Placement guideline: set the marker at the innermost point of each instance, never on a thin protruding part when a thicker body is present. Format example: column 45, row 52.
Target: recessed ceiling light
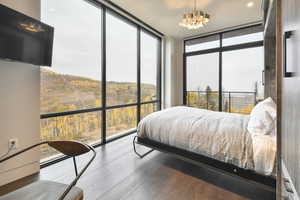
column 250, row 4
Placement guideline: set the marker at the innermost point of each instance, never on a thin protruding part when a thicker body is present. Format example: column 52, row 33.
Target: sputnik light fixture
column 195, row 19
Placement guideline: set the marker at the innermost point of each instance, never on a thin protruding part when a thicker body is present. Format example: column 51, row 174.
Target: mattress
column 218, row 135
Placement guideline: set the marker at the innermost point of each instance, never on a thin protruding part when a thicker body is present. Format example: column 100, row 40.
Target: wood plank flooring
column 117, row 173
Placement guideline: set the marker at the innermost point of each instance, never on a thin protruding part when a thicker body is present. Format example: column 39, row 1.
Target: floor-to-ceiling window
column 121, row 74
column 74, row 80
column 105, row 74
column 224, row 71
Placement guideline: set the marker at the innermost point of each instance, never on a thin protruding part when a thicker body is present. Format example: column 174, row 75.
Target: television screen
column 24, row 39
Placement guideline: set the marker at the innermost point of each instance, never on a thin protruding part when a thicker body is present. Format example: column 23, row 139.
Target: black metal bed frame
column 205, row 161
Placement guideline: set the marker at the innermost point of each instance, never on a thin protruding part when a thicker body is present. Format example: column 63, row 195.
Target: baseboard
column 19, row 172
column 286, row 177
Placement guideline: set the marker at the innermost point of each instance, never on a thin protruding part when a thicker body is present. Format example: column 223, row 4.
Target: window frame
column 219, row 50
column 141, row 26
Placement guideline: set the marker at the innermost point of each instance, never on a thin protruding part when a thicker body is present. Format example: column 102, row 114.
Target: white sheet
column 219, row 135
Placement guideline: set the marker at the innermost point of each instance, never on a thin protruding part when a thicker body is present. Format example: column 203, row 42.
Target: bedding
column 263, row 118
column 218, row 135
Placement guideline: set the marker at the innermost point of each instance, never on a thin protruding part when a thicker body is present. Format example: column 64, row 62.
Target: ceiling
column 164, row 15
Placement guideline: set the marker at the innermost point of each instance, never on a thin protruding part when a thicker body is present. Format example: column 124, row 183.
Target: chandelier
column 195, row 19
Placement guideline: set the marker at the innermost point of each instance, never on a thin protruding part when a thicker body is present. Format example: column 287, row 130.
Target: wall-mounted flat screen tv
column 24, row 39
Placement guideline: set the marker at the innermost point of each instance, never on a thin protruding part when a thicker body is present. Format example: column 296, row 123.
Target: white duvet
column 219, row 135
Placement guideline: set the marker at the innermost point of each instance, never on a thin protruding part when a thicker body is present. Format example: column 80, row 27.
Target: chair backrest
column 69, row 148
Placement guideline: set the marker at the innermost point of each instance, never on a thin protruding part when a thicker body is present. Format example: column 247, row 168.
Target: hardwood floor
column 117, row 173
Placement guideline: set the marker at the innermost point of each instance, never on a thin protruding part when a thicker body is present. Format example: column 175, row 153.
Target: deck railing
column 232, row 101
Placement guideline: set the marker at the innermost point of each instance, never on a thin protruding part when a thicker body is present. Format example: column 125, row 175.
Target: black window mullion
column 226, row 48
column 150, row 102
column 184, row 75
column 158, row 75
column 72, row 112
column 103, row 70
column 204, row 51
column 138, row 74
column 220, row 73
column 243, row 46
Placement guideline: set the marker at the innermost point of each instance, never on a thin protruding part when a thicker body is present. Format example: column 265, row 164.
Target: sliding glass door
column 105, row 75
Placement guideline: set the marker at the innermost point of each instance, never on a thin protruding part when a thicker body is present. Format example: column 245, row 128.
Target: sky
column 241, row 69
column 77, row 42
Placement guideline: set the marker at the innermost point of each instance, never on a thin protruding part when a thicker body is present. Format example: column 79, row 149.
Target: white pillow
column 263, row 118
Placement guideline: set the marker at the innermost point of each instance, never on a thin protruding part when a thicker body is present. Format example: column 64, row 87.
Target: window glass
column 253, row 37
column 121, row 61
column 84, row 127
column 147, row 109
column 245, row 35
column 120, row 120
column 74, row 80
column 242, row 79
column 202, row 43
column 203, row 81
column 149, row 62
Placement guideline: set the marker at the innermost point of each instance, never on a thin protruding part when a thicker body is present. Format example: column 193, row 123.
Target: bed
column 216, row 139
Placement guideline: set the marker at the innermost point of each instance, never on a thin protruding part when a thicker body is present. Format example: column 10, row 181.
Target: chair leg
column 138, row 154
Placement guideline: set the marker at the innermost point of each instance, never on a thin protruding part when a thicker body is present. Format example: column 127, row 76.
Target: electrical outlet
column 13, row 144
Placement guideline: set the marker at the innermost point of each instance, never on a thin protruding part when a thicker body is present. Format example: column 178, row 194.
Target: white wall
column 20, row 106
column 173, row 72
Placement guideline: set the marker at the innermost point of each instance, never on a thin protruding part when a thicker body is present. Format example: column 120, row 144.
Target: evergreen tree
column 209, row 98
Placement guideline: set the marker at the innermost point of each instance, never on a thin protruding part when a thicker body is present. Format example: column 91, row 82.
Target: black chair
column 49, row 190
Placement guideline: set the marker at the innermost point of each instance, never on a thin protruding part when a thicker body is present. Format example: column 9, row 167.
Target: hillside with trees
column 62, row 92
column 233, row 102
